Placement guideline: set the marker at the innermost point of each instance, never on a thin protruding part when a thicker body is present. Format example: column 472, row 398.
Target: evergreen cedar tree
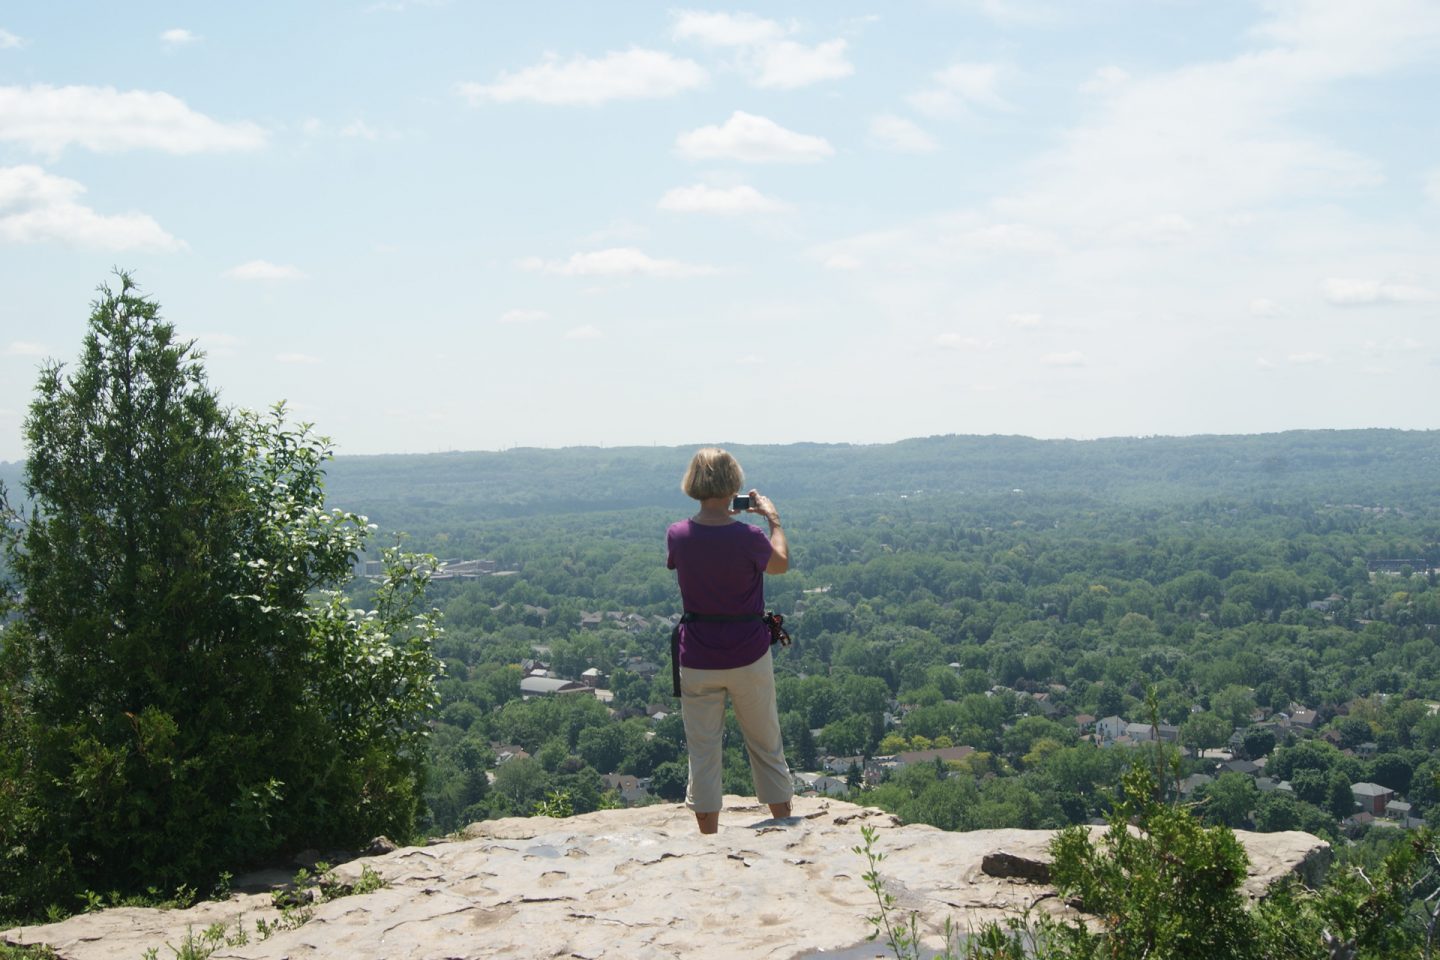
column 184, row 688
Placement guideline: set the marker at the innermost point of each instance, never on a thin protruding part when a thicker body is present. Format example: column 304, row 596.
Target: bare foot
column 708, row 822
column 780, row 811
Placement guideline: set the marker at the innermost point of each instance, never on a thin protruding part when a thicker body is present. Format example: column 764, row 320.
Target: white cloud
column 1165, row 228
column 1212, row 141
column 1341, row 39
column 935, row 247
column 586, row 332
column 842, row 261
column 264, row 270
column 1072, row 358
column 616, row 261
column 49, row 119
column 726, row 29
column 1017, row 11
column 1306, row 359
column 1264, row 307
column 1345, row 292
column 523, row 316
column 178, row 37
column 899, row 134
column 8, row 40
column 725, row 201
column 298, row 358
column 26, row 348
column 36, row 207
column 1025, row 321
column 788, row 65
column 955, row 341
column 962, row 85
column 1264, row 364
column 632, row 75
column 857, row 24
column 762, row 53
column 359, row 129
column 752, row 139
column 1105, row 80
column 1222, row 151
column 1006, row 238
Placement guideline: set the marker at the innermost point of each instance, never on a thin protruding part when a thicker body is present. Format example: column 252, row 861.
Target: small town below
column 1240, row 764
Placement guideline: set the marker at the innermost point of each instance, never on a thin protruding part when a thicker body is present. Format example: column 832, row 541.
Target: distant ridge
column 1316, row 465
column 1319, row 466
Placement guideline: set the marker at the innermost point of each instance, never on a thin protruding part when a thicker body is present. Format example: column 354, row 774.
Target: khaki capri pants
column 702, row 707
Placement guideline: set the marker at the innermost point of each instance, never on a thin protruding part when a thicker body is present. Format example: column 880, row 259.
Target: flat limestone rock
column 641, row 884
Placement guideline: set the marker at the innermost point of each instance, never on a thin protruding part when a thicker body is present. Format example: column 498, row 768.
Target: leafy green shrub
column 1169, row 888
column 556, row 804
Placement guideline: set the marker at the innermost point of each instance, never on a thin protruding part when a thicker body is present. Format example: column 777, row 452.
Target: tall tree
column 184, row 688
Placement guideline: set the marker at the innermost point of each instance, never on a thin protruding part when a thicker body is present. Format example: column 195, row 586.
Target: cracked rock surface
column 642, row 884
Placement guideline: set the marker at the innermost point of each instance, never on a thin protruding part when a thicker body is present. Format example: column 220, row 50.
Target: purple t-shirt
column 721, row 570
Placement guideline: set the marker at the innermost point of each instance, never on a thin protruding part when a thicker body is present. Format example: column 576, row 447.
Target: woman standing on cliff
column 724, row 642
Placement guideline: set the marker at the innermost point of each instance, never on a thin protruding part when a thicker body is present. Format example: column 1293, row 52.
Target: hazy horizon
column 740, row 444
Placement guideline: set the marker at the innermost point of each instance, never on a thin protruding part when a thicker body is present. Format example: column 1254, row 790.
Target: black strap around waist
column 689, row 617
column 774, row 621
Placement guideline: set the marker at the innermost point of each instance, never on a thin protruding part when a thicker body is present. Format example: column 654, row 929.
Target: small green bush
column 1169, row 888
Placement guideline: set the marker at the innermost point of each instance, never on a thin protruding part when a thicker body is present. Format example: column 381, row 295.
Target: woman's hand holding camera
column 761, row 504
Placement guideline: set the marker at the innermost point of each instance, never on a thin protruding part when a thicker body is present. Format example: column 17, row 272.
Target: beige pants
column 702, row 707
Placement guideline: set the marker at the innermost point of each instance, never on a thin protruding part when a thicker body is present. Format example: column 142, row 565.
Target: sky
column 435, row 225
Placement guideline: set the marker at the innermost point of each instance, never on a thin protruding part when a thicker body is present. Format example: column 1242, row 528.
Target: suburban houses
column 1375, row 803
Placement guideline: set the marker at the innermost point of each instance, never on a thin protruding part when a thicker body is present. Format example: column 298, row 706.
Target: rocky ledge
column 644, row 885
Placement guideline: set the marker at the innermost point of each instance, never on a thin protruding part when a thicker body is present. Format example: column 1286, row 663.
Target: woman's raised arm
column 779, row 546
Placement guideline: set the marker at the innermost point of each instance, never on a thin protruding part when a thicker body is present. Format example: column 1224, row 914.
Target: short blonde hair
column 712, row 473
